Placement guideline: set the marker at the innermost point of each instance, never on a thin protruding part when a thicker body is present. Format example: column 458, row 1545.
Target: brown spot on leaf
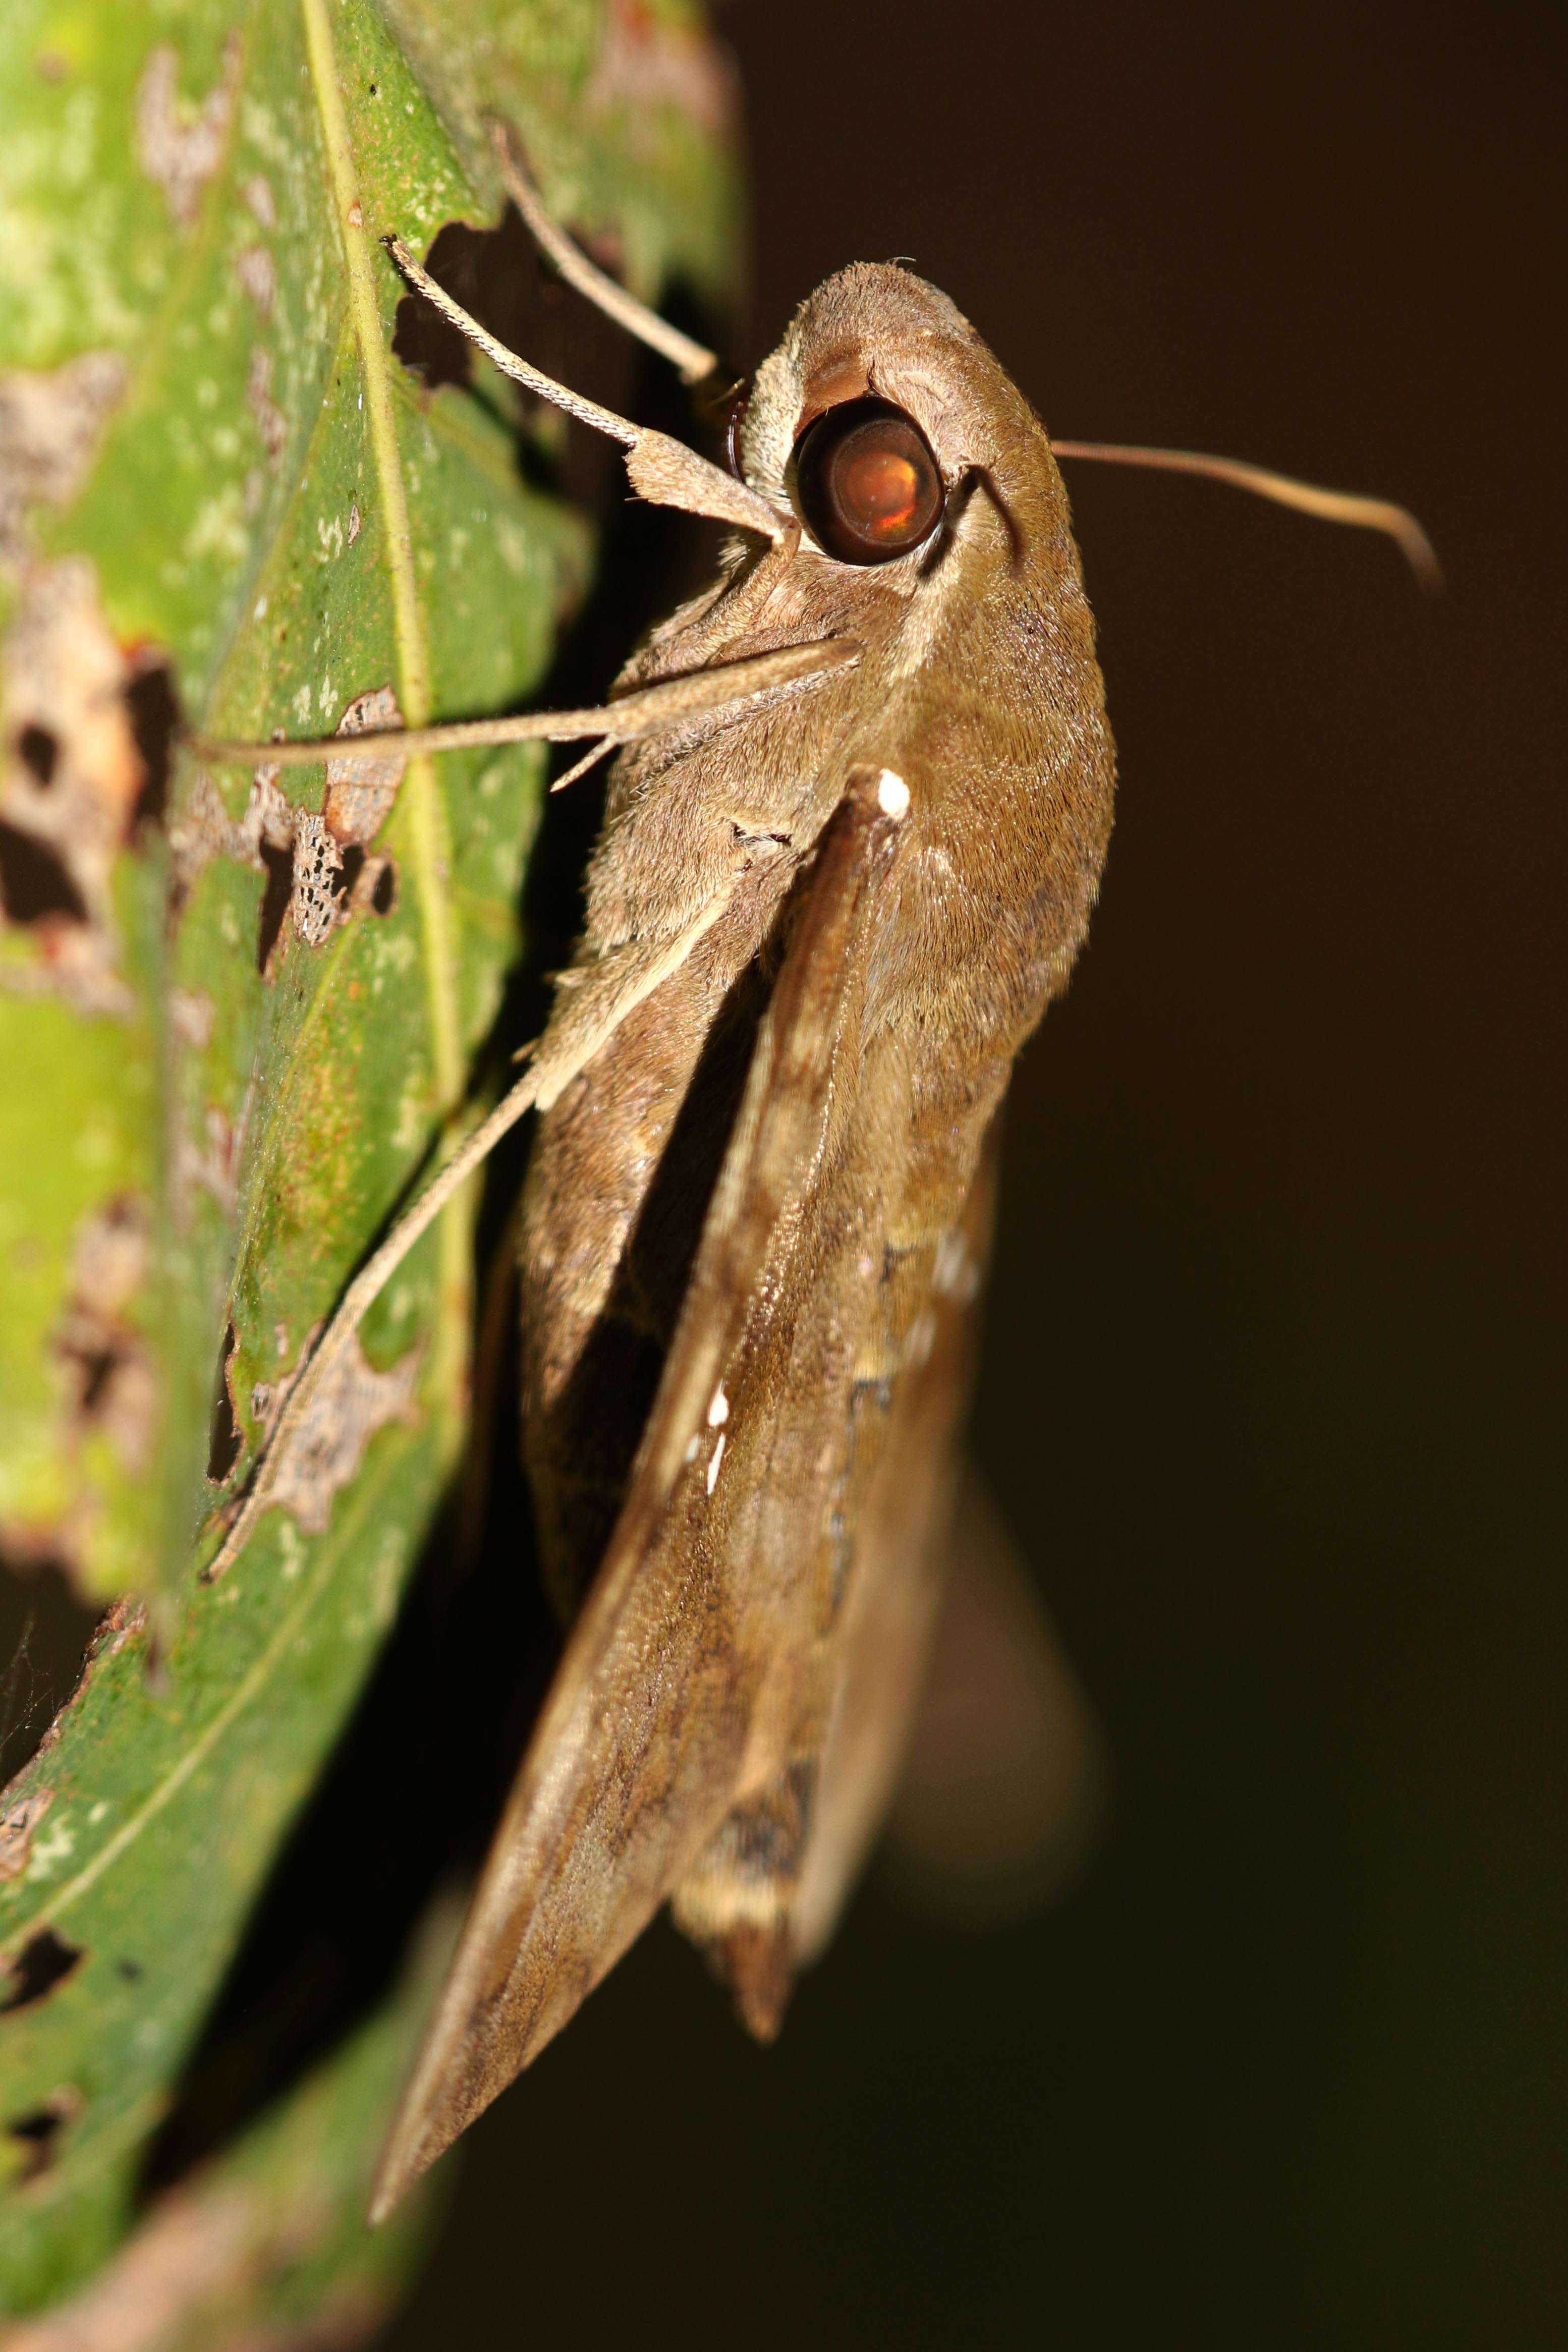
column 257, row 194
column 354, row 1402
column 84, row 765
column 49, row 427
column 270, row 421
column 648, row 62
column 258, row 273
column 17, row 1824
column 66, row 676
column 180, row 142
column 192, row 1014
column 44, row 1962
column 109, row 1369
column 361, row 792
column 205, row 1162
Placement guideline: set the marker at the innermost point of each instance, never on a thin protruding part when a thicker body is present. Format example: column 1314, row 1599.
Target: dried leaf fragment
column 354, row 1402
column 109, row 1371
column 73, row 778
column 16, row 1826
column 50, row 426
column 361, row 792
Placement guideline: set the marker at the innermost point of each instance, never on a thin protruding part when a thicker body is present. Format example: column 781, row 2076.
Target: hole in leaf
column 497, row 274
column 155, row 712
column 274, row 899
column 44, row 1962
column 384, row 897
column 39, row 751
column 428, row 344
column 38, row 2133
column 226, row 1441
column 46, row 1628
column 350, row 869
column 33, row 882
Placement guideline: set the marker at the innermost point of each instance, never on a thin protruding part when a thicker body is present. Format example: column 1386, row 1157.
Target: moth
column 853, row 837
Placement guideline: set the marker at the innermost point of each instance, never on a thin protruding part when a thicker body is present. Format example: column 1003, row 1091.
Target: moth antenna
column 726, row 691
column 662, row 469
column 694, row 360
column 1307, row 497
column 581, row 767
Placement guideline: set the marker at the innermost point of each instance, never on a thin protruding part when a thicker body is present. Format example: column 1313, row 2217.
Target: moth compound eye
column 866, row 482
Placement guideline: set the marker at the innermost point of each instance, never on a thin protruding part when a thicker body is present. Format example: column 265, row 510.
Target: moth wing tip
column 407, row 2155
column 419, row 2137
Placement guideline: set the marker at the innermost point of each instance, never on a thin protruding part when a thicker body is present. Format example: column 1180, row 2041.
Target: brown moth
column 849, row 854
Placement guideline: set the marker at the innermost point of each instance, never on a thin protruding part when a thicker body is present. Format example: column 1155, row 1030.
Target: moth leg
column 661, row 469
column 727, row 692
column 586, row 1019
column 693, row 358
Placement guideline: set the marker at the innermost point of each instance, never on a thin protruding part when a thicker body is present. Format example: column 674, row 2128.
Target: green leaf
column 267, row 2243
column 236, row 1013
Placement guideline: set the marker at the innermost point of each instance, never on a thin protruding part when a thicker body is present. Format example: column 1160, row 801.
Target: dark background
column 1271, row 1388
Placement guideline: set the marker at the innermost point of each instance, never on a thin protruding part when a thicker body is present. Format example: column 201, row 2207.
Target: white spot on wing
column 719, row 1410
column 713, row 1465
column 956, row 1274
column 892, row 794
column 921, row 1339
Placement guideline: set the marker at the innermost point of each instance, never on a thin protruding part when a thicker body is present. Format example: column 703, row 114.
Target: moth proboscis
column 852, row 840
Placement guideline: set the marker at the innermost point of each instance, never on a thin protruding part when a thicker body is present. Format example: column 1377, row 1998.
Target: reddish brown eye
column 868, row 484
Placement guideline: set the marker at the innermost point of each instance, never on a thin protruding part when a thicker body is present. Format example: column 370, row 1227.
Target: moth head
column 877, row 417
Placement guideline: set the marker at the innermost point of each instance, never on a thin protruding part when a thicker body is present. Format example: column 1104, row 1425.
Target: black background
column 1271, row 1389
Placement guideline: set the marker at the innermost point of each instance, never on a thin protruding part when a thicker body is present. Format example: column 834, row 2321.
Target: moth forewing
column 660, row 1703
